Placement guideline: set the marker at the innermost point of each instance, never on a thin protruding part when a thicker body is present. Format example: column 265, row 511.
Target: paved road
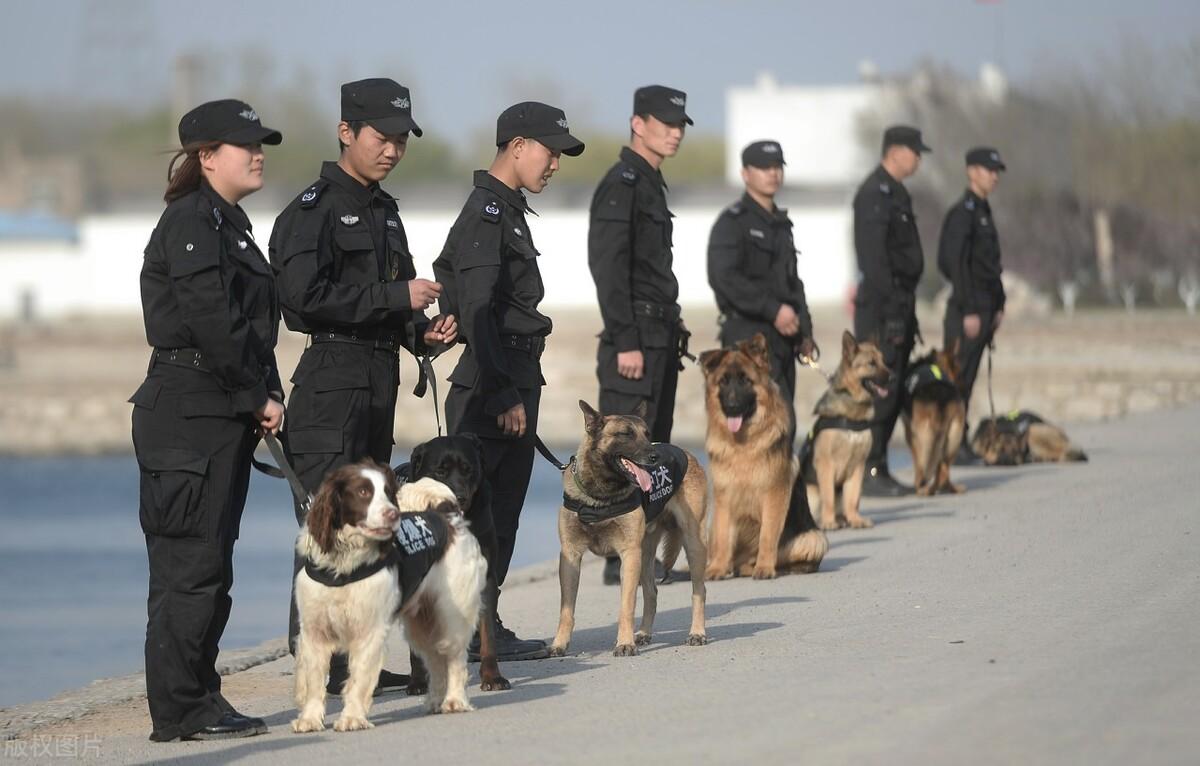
column 1050, row 615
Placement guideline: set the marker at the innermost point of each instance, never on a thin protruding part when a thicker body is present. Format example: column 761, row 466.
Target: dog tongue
column 735, row 424
column 639, row 473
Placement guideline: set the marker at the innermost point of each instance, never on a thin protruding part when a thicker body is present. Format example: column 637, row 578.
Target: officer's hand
column 269, row 417
column 513, row 421
column 631, row 364
column 422, row 293
column 443, row 329
column 809, row 350
column 786, row 321
column 971, row 326
column 997, row 318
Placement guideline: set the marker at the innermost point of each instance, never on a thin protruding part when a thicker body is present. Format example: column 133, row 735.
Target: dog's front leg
column 720, row 543
column 455, row 699
column 649, row 589
column 774, row 512
column 828, row 490
column 631, row 571
column 568, row 588
column 366, row 660
column 489, row 667
column 693, row 544
column 437, row 681
column 312, row 665
column 851, row 494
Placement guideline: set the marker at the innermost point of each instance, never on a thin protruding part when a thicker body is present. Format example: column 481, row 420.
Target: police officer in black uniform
column 629, row 254
column 490, row 270
column 752, row 271
column 890, row 262
column 208, row 301
column 347, row 280
column 969, row 258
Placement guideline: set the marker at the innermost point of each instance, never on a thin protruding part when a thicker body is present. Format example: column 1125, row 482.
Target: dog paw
column 305, row 725
column 352, row 723
column 455, row 706
column 717, row 574
column 697, row 639
column 641, row 638
column 764, row 573
column 957, row 489
column 497, row 684
column 557, row 651
column 829, row 525
column 625, row 650
column 861, row 522
column 415, row 689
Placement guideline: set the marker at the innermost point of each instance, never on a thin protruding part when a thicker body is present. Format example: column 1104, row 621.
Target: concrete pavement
column 1050, row 615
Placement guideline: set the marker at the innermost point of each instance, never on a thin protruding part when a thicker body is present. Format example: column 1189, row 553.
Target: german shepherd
column 835, row 454
column 935, row 418
column 622, row 495
column 1023, row 437
column 762, row 524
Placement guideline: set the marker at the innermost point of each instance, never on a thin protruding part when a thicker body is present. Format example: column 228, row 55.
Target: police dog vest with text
column 666, row 477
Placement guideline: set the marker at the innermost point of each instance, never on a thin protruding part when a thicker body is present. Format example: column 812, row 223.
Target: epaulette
column 313, row 193
column 736, row 209
column 491, row 211
column 969, row 204
column 629, row 175
column 885, row 188
column 216, row 214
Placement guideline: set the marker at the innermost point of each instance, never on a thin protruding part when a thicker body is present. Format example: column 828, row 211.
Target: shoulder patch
column 885, row 188
column 969, row 204
column 629, row 176
column 491, row 211
column 216, row 214
column 312, row 194
column 736, row 208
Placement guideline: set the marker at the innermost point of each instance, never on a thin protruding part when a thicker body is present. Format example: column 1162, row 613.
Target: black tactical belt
column 189, row 358
column 665, row 312
column 389, row 341
column 533, row 345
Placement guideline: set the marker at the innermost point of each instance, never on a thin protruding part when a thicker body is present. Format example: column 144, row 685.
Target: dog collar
column 333, row 580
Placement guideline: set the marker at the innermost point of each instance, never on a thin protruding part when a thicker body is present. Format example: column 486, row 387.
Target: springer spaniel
column 374, row 554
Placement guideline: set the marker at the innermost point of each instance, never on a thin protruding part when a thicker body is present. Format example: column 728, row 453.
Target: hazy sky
column 468, row 60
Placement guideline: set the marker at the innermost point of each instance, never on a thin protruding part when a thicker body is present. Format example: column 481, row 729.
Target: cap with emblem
column 763, row 154
column 667, row 104
column 987, row 157
column 904, row 135
column 382, row 103
column 229, row 121
column 532, row 119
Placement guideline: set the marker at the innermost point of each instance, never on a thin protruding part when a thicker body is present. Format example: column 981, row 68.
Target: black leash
column 285, row 471
column 991, row 404
column 546, row 453
column 428, row 379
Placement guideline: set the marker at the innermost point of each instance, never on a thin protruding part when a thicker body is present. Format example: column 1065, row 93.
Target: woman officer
column 208, row 301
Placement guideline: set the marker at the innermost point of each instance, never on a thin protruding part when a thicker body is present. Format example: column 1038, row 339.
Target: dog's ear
column 849, row 344
column 641, row 409
column 592, row 420
column 711, row 359
column 756, row 348
column 415, row 460
column 445, row 507
column 324, row 513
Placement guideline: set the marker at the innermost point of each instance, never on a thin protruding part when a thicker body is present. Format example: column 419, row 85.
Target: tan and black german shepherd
column 623, row 495
column 1023, row 437
column 835, row 454
column 762, row 524
column 935, row 419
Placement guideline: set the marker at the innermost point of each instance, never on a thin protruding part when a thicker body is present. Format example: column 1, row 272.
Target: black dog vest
column 666, row 477
column 926, row 375
column 420, row 542
column 1015, row 422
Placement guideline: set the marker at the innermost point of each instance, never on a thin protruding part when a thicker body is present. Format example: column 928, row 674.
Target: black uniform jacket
column 752, row 264
column 969, row 256
column 491, row 281
column 887, row 246
column 342, row 262
column 629, row 251
column 206, row 286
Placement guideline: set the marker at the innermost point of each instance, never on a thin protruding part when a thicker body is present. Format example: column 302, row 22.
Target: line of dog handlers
column 429, row 543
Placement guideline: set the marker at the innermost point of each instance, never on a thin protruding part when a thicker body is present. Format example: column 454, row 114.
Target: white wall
column 100, row 273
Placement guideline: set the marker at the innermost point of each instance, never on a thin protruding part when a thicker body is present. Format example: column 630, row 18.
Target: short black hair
column 356, row 127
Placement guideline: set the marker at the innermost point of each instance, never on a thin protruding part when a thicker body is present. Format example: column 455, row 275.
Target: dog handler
column 490, row 270
column 208, row 301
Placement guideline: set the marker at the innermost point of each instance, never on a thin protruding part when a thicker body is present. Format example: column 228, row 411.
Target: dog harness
column 926, row 375
column 665, row 480
column 1015, row 422
column 420, row 542
column 823, row 423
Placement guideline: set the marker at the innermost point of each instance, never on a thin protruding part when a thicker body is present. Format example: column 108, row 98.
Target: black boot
column 508, row 647
column 389, row 682
column 880, row 483
column 230, row 726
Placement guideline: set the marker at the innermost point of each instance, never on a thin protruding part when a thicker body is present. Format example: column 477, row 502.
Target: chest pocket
column 356, row 251
column 400, row 262
column 522, row 269
column 758, row 255
column 654, row 228
column 902, row 228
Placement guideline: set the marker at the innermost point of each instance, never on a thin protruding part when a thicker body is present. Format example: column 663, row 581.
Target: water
column 74, row 572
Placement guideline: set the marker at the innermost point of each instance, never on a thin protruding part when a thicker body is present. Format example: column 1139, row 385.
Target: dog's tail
column 802, row 545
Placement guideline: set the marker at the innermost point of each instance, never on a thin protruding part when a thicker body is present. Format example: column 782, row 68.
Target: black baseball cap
column 533, row 119
column 382, row 103
column 904, row 135
column 229, row 121
column 763, row 154
column 667, row 104
column 987, row 157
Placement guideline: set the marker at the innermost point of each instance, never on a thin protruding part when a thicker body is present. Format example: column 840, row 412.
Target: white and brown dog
column 372, row 554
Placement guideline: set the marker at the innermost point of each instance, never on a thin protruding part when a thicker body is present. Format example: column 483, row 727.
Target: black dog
column 457, row 462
